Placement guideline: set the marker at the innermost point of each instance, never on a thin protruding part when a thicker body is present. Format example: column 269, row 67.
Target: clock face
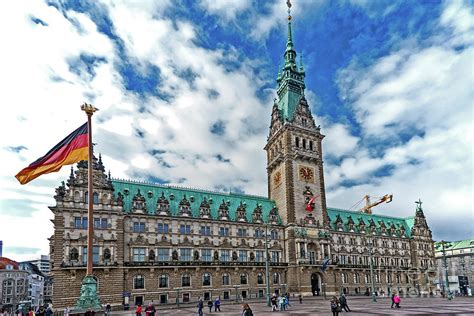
column 306, row 174
column 277, row 178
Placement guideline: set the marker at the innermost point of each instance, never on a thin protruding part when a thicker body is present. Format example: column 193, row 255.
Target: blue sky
column 185, row 90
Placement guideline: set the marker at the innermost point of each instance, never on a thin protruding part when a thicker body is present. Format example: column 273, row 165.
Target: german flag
column 71, row 149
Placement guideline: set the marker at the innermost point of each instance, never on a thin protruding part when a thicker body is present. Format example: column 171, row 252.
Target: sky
column 185, row 90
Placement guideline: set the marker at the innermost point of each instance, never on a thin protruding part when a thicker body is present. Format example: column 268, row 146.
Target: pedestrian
column 343, row 302
column 288, row 299
column 150, row 310
column 138, row 311
column 31, row 312
column 393, row 300
column 210, row 304
column 108, row 309
column 41, row 311
column 300, row 297
column 246, row 310
column 396, row 299
column 281, row 302
column 49, row 311
column 200, row 306
column 217, row 304
column 89, row 312
column 67, row 311
column 335, row 307
column 274, row 303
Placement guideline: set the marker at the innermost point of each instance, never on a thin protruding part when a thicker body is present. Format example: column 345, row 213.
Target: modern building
column 1, row 248
column 169, row 244
column 459, row 263
column 42, row 263
column 13, row 284
column 35, row 283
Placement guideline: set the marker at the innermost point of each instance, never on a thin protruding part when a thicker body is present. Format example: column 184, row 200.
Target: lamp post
column 374, row 299
column 324, row 289
column 445, row 244
column 267, row 271
column 418, row 289
column 177, row 295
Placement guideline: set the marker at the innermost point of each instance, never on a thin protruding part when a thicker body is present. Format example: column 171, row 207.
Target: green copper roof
column 407, row 223
column 152, row 192
column 453, row 245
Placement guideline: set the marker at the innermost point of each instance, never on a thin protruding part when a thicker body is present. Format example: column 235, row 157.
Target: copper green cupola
column 290, row 79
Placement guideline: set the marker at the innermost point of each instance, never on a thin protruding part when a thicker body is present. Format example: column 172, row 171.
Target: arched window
column 297, row 141
column 74, row 254
column 398, row 278
column 304, row 143
column 77, row 196
column 206, row 279
column 367, row 278
column 389, row 278
column 225, row 279
column 243, row 278
column 344, row 278
column 96, row 198
column 260, row 278
column 151, row 255
column 163, row 281
column 276, row 278
column 138, row 282
column 310, row 145
column 356, row 278
column 185, row 280
column 274, row 234
column 377, row 278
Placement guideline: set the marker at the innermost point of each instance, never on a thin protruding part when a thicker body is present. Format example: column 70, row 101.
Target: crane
column 387, row 198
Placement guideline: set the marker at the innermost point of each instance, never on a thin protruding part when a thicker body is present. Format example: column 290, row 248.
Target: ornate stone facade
column 164, row 243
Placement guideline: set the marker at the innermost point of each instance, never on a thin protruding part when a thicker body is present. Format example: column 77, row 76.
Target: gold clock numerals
column 306, row 174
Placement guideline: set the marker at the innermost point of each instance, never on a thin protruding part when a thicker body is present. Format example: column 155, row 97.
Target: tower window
column 297, row 142
column 310, row 145
column 304, row 143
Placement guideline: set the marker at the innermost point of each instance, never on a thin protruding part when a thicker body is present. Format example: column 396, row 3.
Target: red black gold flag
column 73, row 148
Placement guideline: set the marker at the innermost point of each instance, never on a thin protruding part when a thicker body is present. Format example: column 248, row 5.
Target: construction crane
column 387, row 198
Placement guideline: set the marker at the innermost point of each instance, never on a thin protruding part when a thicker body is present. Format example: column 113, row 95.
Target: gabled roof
column 152, row 192
column 406, row 223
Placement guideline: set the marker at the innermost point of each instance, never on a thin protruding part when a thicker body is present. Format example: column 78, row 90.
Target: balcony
column 203, row 263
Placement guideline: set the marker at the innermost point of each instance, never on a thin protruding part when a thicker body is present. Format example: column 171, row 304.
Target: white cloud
column 227, row 9
column 421, row 91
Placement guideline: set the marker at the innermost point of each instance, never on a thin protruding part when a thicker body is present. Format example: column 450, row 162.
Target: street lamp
column 374, row 299
column 445, row 244
column 177, row 295
column 324, row 289
column 418, row 289
column 267, row 271
column 236, row 293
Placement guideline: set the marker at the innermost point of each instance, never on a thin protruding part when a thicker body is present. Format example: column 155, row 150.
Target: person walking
column 300, row 297
column 397, row 300
column 335, row 307
column 108, row 309
column 138, row 311
column 217, row 304
column 210, row 304
column 274, row 303
column 393, row 300
column 343, row 302
column 200, row 306
column 246, row 310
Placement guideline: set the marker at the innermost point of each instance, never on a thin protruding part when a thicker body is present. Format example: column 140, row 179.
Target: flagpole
column 89, row 109
column 88, row 298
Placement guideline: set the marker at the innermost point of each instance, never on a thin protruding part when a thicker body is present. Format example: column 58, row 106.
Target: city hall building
column 168, row 244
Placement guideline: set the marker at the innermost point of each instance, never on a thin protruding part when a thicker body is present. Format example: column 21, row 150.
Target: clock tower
column 294, row 149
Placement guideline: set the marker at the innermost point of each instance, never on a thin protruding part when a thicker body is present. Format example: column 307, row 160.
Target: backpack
column 333, row 305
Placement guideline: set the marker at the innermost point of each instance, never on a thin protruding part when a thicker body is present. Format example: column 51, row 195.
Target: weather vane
column 288, row 3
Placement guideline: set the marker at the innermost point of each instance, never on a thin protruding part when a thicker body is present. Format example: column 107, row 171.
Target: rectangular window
column 241, row 232
column 96, row 222
column 259, row 257
column 84, row 223
column 275, row 256
column 95, row 254
column 78, row 222
column 223, row 231
column 185, row 229
column 258, row 233
column 206, row 230
column 138, row 227
column 138, row 254
column 185, row 254
column 226, row 295
column 243, row 255
column 186, row 297
column 312, row 257
column 163, row 228
column 163, row 254
column 206, row 255
column 104, row 223
column 225, row 255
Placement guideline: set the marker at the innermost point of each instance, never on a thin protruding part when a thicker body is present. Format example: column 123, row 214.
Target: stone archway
column 316, row 284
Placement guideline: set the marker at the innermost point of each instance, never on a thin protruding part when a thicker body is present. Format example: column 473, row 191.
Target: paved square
column 358, row 306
